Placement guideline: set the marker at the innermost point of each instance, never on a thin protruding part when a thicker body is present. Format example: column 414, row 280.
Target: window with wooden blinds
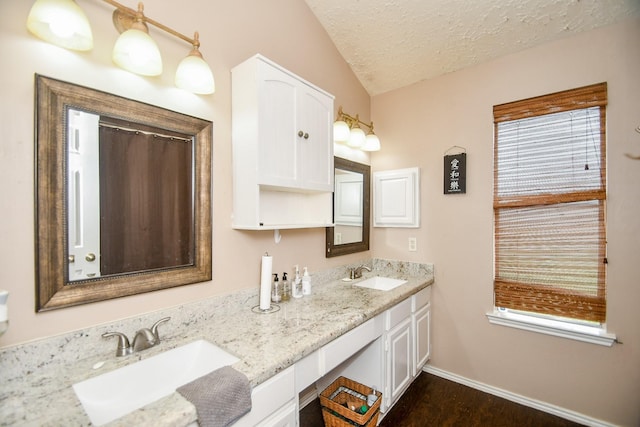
column 549, row 204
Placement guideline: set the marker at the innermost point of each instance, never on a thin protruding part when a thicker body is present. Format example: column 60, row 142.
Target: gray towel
column 220, row 397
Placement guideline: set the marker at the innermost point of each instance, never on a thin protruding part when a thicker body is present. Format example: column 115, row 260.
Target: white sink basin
column 381, row 283
column 116, row 393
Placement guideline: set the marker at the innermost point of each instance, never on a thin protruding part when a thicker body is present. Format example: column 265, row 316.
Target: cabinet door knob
column 306, row 135
column 90, row 257
column 303, row 134
column 300, row 133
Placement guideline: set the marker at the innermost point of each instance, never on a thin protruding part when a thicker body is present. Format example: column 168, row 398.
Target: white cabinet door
column 287, row 416
column 268, row 398
column 396, row 198
column 422, row 324
column 315, row 124
column 400, row 357
column 278, row 153
column 295, row 132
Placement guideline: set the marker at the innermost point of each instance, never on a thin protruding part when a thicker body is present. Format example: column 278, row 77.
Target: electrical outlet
column 413, row 244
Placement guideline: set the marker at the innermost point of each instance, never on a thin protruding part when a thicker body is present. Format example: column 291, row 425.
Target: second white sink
column 381, row 283
column 116, row 393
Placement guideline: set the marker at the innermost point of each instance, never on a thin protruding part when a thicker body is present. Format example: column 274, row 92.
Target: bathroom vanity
column 375, row 337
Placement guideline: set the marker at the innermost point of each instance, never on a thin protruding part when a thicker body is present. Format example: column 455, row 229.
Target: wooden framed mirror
column 135, row 175
column 351, row 209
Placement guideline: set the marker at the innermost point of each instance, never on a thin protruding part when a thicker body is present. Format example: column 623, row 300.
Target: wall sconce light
column 63, row 23
column 347, row 130
column 135, row 50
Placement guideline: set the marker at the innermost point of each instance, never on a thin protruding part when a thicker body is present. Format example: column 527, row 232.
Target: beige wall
column 418, row 124
column 230, row 31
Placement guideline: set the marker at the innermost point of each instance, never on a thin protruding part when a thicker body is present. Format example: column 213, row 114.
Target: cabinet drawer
column 343, row 347
column 398, row 313
column 269, row 396
column 421, row 299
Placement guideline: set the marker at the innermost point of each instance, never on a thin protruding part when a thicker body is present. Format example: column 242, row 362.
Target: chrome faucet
column 356, row 273
column 145, row 338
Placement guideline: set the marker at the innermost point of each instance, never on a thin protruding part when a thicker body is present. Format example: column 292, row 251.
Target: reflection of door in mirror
column 348, row 207
column 84, row 195
column 351, row 209
column 130, row 197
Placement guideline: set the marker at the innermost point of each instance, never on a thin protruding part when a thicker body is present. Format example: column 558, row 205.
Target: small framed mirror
column 351, row 209
column 123, row 196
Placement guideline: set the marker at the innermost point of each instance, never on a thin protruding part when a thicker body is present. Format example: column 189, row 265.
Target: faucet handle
column 123, row 343
column 154, row 328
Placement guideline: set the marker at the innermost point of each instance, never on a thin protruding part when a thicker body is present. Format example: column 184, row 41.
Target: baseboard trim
column 307, row 396
column 532, row 403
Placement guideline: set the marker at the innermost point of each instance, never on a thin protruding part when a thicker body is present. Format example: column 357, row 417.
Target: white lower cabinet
column 386, row 352
column 273, row 403
column 421, row 322
column 407, row 344
column 399, row 361
column 287, row 416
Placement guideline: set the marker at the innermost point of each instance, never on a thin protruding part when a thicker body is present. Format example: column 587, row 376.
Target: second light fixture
column 347, row 130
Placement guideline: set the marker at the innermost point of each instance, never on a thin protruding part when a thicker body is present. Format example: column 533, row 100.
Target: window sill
column 558, row 328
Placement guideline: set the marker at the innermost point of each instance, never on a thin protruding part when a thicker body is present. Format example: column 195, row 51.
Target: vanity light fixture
column 63, row 23
column 193, row 73
column 347, row 130
column 60, row 22
column 135, row 50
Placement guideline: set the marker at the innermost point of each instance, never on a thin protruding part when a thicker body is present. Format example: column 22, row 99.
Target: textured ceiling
column 394, row 43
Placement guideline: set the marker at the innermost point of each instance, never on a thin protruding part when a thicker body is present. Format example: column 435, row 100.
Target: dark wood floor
column 435, row 401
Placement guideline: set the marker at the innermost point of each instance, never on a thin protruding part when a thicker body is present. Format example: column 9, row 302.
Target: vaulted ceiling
column 394, row 43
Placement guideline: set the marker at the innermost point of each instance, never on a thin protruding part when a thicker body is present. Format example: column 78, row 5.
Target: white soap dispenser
column 306, row 282
column 296, row 283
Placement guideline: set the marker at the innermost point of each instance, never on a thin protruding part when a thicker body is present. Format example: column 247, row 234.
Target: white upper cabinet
column 294, row 131
column 282, row 148
column 396, row 198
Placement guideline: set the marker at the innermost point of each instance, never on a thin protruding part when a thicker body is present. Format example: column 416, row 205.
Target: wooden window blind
column 549, row 204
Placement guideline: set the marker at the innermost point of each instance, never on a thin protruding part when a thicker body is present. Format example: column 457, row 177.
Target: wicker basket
column 341, row 391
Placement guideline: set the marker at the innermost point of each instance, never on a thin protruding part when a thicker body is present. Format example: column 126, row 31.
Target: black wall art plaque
column 455, row 173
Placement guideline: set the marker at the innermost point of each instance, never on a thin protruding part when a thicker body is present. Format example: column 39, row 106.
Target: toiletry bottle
column 276, row 290
column 286, row 288
column 372, row 397
column 306, row 282
column 296, row 284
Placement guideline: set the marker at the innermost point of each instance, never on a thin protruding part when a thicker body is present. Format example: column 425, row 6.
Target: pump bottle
column 296, row 284
column 306, row 282
column 276, row 290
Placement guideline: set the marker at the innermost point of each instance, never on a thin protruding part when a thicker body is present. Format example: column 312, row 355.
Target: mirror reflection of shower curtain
column 145, row 184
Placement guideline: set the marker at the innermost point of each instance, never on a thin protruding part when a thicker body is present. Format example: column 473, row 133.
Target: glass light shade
column 341, row 131
column 136, row 51
column 371, row 143
column 357, row 138
column 194, row 75
column 60, row 22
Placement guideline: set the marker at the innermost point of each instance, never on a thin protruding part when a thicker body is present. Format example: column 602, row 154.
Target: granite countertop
column 37, row 378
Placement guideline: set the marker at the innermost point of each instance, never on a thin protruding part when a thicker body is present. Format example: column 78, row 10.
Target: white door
column 315, row 121
column 421, row 320
column 277, row 131
column 399, row 369
column 84, row 195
